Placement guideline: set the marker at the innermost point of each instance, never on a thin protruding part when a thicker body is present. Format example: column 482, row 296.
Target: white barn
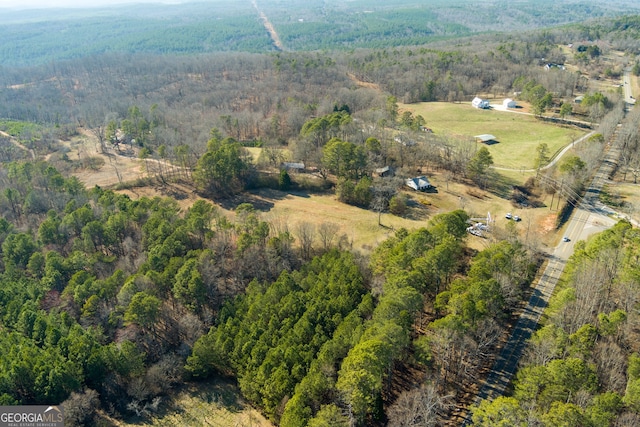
column 509, row 103
column 480, row 103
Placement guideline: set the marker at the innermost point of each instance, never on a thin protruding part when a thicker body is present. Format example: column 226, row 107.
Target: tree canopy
column 224, row 169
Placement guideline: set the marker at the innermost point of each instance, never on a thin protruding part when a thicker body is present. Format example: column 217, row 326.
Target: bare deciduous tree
column 420, row 407
column 327, row 232
column 305, row 232
column 80, row 408
column 611, row 365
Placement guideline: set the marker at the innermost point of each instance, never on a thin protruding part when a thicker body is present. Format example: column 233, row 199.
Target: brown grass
column 216, row 403
column 358, row 226
column 219, row 403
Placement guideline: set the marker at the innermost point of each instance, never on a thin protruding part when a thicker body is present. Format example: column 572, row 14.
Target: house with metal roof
column 419, row 183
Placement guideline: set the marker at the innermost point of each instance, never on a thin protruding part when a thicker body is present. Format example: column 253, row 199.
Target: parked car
column 508, row 216
column 516, row 218
column 565, row 239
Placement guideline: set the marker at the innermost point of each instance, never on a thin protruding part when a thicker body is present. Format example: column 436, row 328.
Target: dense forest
column 582, row 367
column 108, row 303
column 269, row 98
column 104, row 297
column 41, row 36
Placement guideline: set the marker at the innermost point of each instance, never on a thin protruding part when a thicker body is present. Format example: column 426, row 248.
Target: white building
column 509, row 103
column 480, row 103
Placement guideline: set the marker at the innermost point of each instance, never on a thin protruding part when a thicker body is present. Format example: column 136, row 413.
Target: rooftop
column 485, row 137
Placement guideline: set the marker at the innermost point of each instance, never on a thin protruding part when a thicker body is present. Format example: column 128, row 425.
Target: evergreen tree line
column 581, row 367
column 324, row 345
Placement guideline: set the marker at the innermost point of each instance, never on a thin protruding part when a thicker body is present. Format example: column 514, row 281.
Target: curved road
column 555, row 159
column 15, row 142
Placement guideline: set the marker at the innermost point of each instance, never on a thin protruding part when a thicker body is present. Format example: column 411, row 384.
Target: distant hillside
column 39, row 36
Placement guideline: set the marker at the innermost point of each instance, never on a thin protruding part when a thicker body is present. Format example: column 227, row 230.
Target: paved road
column 584, row 222
column 586, row 219
column 626, row 84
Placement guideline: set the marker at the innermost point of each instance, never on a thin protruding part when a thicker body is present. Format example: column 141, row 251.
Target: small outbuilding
column 419, row 183
column 292, row 166
column 480, row 103
column 550, row 66
column 382, row 172
column 509, row 103
column 486, row 138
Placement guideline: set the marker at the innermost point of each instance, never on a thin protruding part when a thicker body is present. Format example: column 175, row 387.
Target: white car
column 516, row 218
column 565, row 239
column 508, row 216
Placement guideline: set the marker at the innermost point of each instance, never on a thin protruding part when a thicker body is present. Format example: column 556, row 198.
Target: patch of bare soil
column 548, row 223
column 362, row 83
column 115, row 170
column 115, row 165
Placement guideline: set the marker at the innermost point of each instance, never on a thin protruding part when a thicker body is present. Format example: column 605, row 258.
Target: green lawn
column 518, row 135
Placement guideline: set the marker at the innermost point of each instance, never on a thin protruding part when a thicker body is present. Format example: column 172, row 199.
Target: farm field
column 518, row 134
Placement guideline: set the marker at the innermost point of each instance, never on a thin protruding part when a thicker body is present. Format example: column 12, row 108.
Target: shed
column 419, row 183
column 292, row 166
column 486, row 138
column 509, row 103
column 550, row 65
column 385, row 171
column 480, row 103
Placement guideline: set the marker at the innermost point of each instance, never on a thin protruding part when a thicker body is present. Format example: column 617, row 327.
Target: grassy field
column 360, row 226
column 624, row 197
column 518, row 135
column 219, row 403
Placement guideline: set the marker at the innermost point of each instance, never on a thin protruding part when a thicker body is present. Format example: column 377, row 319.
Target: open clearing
column 627, row 195
column 359, row 227
column 214, row 403
column 218, row 403
column 518, row 134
